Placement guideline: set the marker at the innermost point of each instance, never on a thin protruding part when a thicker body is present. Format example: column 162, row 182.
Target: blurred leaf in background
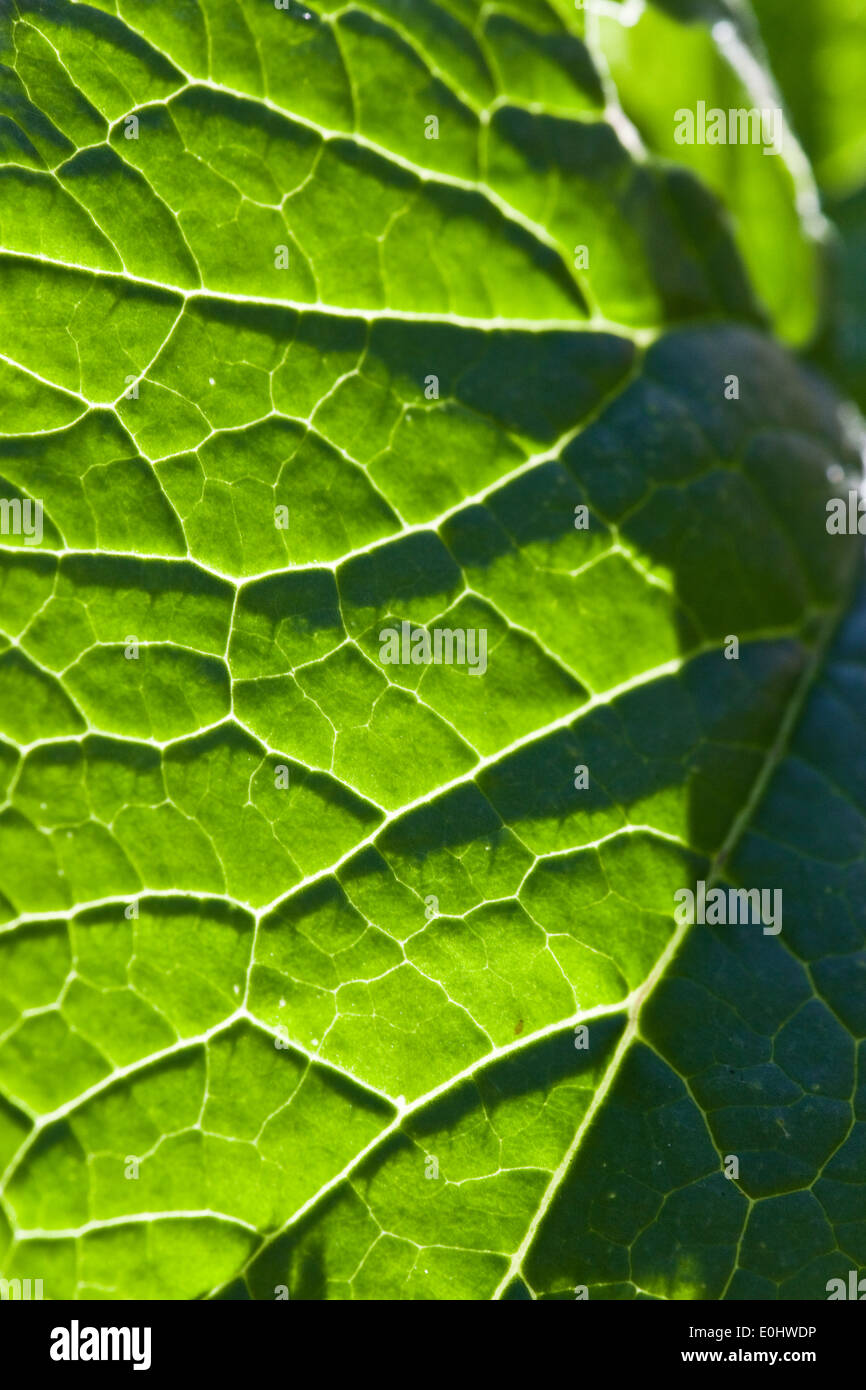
column 817, row 51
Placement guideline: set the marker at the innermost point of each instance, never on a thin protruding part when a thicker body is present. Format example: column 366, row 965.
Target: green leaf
column 818, row 52
column 663, row 67
column 332, row 976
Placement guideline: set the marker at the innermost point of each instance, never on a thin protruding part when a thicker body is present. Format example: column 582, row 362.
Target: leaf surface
column 299, row 949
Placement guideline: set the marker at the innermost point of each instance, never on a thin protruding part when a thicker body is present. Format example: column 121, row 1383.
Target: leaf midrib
column 772, row 760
